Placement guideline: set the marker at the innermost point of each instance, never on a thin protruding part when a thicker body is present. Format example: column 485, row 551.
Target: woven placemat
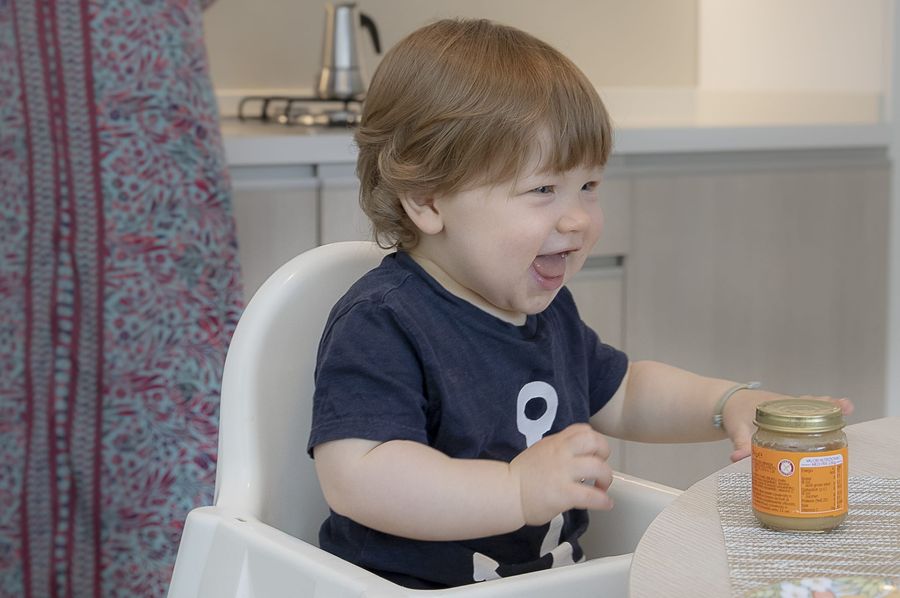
column 867, row 543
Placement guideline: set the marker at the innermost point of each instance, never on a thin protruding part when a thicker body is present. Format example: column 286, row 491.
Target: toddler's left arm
column 657, row 402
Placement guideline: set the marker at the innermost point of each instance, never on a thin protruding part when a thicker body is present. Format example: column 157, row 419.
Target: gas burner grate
column 300, row 111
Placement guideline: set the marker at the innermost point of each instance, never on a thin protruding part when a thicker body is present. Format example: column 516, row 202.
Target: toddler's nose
column 575, row 218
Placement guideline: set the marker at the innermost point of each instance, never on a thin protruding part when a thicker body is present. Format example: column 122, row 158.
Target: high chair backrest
column 267, row 386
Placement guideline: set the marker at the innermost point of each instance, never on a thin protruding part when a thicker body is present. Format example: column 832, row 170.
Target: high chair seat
column 259, row 540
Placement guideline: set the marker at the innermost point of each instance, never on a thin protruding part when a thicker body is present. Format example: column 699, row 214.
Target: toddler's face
column 509, row 248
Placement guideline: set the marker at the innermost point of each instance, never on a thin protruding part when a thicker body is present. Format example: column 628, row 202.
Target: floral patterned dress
column 119, row 291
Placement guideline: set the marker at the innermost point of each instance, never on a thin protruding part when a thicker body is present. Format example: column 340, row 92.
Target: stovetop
column 300, row 111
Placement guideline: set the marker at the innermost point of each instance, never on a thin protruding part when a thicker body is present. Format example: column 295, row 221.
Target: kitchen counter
column 248, row 143
column 254, row 143
column 647, row 121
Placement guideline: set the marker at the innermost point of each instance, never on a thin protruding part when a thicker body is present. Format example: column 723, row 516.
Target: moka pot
column 342, row 76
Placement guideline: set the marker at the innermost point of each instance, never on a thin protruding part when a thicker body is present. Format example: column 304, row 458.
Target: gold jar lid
column 799, row 415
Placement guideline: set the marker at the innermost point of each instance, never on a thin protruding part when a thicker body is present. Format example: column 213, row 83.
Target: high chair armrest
column 637, row 503
column 225, row 554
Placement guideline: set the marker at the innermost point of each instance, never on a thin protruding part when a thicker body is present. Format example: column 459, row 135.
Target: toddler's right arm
column 411, row 490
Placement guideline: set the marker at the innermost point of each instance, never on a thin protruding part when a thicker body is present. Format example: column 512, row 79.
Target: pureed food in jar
column 799, row 464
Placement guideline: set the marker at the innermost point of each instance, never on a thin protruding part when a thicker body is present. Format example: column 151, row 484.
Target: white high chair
column 260, row 538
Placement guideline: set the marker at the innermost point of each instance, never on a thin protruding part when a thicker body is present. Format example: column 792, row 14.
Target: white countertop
column 646, row 121
column 253, row 143
column 250, row 143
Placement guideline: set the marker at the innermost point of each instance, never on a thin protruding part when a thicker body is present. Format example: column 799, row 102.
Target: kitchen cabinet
column 276, row 215
column 759, row 266
column 341, row 217
column 615, row 240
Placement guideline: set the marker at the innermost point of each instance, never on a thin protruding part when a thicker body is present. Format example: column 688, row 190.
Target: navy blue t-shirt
column 402, row 358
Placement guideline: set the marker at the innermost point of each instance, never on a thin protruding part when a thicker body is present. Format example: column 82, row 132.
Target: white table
column 682, row 553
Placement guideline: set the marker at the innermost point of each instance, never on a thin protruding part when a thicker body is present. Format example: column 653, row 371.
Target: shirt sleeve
column 607, row 366
column 369, row 383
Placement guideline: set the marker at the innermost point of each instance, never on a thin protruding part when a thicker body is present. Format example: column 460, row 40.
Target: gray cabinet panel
column 775, row 275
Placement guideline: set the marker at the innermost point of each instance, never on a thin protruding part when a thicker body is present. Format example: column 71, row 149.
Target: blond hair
column 461, row 102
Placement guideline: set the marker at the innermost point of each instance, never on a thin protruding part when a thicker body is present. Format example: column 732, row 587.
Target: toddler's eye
column 543, row 189
column 590, row 186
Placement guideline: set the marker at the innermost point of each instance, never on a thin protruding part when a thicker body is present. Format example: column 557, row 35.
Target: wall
column 797, row 62
column 276, row 44
column 822, row 46
column 657, row 63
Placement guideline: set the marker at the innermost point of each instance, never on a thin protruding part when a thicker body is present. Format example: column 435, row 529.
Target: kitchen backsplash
column 276, row 44
column 676, row 62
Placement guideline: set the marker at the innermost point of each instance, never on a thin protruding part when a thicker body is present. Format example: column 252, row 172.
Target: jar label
column 798, row 484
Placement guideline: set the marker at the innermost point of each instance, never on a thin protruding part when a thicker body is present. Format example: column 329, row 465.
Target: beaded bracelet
column 718, row 419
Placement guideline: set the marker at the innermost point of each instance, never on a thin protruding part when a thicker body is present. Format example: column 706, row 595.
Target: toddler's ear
column 423, row 212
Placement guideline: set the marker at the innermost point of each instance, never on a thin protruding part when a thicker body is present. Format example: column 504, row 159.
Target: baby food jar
column 799, row 464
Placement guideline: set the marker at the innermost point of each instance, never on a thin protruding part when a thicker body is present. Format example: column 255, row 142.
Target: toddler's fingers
column 740, row 453
column 588, row 496
column 584, row 440
column 595, row 469
column 846, row 405
column 741, row 439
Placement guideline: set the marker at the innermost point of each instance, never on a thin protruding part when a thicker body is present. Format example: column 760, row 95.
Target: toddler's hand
column 739, row 416
column 549, row 474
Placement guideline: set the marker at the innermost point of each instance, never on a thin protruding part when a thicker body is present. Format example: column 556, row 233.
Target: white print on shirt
column 534, row 429
column 484, row 567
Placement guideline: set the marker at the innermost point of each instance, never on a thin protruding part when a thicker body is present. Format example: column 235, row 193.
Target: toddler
column 461, row 404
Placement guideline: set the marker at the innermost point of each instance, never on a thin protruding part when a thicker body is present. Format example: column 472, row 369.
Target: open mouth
column 550, row 269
